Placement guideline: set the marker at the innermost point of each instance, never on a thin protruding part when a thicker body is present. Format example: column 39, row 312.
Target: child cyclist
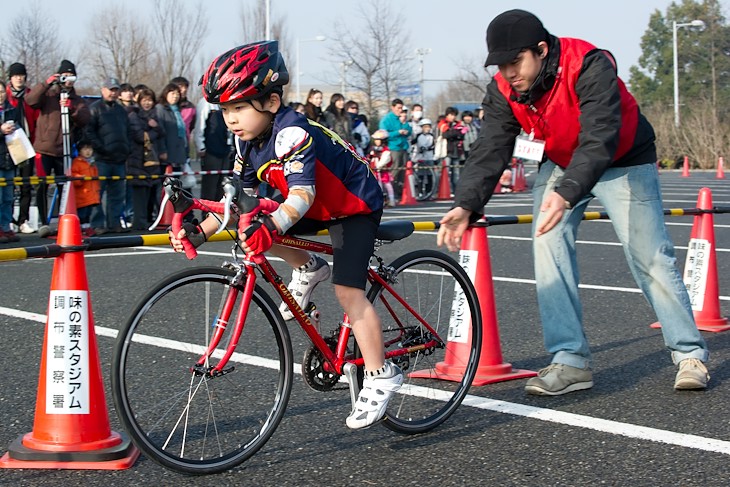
column 325, row 183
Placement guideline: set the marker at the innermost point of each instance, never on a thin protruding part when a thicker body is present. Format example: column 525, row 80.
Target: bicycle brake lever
column 229, row 191
column 160, row 213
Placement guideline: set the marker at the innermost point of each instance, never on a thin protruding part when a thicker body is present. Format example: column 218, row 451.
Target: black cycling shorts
column 353, row 242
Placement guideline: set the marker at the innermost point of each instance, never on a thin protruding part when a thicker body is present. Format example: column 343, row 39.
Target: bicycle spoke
column 438, row 371
column 193, row 418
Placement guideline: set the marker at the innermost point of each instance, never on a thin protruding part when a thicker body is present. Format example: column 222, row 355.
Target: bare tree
column 468, row 86
column 32, row 38
column 379, row 53
column 181, row 28
column 122, row 46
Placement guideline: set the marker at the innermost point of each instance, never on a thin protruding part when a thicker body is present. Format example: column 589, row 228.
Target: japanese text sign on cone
column 71, row 427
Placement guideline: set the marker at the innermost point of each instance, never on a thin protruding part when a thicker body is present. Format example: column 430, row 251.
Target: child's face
column 426, row 128
column 467, row 119
column 86, row 151
column 245, row 121
column 377, row 142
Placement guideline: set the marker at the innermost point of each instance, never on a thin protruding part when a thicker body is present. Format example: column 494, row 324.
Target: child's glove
column 193, row 232
column 260, row 235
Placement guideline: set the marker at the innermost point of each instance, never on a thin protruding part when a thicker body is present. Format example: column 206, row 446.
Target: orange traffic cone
column 685, row 167
column 700, row 270
column 408, row 186
column 720, row 169
column 444, row 182
column 71, row 427
column 168, row 211
column 475, row 253
column 520, row 183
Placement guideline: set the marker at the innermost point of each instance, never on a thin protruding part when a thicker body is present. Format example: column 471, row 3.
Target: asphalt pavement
column 631, row 428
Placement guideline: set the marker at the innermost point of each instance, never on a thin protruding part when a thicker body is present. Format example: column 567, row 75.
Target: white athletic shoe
column 374, row 397
column 26, row 228
column 303, row 283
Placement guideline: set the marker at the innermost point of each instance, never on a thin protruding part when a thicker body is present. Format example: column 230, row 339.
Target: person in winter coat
column 109, row 134
column 9, row 123
column 381, row 162
column 173, row 146
column 27, row 117
column 87, row 193
column 48, row 141
column 313, row 106
column 146, row 134
column 591, row 140
column 336, row 118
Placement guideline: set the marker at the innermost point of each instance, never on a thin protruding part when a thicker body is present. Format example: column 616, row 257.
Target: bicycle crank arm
column 350, row 371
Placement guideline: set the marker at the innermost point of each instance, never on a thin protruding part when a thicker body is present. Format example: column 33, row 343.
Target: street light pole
column 675, row 26
column 343, row 80
column 299, row 71
column 421, row 52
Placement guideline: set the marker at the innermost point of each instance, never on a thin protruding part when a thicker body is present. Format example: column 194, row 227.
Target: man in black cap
column 27, row 115
column 109, row 134
column 46, row 97
column 559, row 102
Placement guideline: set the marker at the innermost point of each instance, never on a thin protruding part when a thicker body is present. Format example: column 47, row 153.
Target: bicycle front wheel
column 195, row 422
column 442, row 361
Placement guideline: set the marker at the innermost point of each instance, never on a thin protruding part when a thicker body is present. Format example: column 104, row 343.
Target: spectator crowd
column 133, row 133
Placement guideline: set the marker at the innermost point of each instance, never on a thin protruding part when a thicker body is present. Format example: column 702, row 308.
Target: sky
column 454, row 32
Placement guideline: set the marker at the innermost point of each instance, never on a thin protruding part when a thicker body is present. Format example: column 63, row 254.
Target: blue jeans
column 6, row 199
column 632, row 199
column 115, row 192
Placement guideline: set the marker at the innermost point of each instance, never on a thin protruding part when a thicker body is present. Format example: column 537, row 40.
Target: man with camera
column 47, row 98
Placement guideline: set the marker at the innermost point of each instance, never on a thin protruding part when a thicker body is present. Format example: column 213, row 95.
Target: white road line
column 478, row 402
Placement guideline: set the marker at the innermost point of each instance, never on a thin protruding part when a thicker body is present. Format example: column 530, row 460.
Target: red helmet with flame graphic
column 245, row 73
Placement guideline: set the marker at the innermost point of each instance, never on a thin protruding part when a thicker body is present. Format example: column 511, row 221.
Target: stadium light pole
column 299, row 71
column 675, row 26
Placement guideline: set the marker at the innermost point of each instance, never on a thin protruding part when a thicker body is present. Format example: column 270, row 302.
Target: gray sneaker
column 557, row 379
column 692, row 375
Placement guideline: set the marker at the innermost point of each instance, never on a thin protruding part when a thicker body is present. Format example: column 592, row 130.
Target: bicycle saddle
column 394, row 230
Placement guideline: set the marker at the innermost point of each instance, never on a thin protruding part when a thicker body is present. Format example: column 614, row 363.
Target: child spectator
column 87, row 193
column 381, row 162
column 470, row 132
column 423, row 144
column 325, row 185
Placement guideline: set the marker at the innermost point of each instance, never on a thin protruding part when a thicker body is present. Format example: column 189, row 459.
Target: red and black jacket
column 583, row 112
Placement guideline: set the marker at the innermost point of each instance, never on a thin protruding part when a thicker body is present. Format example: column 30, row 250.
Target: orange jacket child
column 87, row 192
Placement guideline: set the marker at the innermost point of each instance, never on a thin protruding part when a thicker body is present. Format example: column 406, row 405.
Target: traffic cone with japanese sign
column 700, row 270
column 474, row 257
column 71, row 427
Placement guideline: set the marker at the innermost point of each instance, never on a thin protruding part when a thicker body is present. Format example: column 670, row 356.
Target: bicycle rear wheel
column 192, row 422
column 437, row 378
column 425, row 182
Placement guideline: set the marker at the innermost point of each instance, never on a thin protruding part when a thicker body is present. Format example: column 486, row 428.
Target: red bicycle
column 203, row 368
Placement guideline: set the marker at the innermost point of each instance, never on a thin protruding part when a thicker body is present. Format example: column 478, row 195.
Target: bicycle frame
column 336, row 360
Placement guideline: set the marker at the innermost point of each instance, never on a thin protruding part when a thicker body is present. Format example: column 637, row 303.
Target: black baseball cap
column 510, row 33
